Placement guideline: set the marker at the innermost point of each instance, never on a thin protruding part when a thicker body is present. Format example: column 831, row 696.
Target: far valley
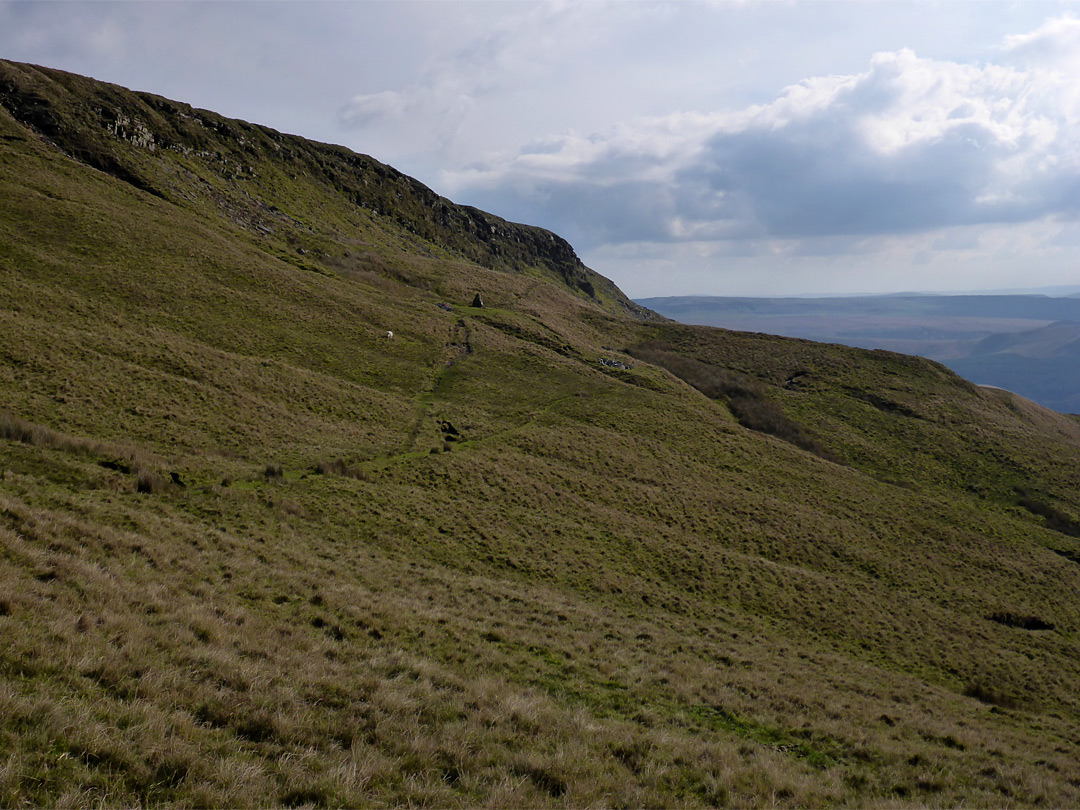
column 1028, row 344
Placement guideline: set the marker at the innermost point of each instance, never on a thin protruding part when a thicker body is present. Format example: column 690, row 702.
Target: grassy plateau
column 554, row 551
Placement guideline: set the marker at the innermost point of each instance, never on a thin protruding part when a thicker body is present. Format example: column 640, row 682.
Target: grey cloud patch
column 369, row 109
column 588, row 215
column 911, row 145
column 819, row 178
column 460, row 84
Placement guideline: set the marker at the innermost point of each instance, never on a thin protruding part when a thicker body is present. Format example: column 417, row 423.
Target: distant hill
column 1042, row 364
column 288, row 518
column 1023, row 343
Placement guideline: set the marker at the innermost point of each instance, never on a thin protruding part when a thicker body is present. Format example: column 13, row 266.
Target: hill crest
column 113, row 129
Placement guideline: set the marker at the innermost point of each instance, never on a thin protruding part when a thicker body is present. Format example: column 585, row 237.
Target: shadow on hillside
column 746, row 398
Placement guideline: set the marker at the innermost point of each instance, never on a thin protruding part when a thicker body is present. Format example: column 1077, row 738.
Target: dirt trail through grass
column 458, row 345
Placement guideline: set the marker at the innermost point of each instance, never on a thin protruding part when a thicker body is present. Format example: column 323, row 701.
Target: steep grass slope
column 252, row 552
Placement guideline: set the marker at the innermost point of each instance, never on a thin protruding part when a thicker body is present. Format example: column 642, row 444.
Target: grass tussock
column 149, row 483
column 19, row 430
column 132, row 462
column 341, row 467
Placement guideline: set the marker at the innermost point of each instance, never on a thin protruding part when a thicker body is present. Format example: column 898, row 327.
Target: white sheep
column 389, row 335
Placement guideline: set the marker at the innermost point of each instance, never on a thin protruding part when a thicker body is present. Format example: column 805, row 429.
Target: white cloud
column 1055, row 44
column 365, row 109
column 458, row 89
column 909, row 145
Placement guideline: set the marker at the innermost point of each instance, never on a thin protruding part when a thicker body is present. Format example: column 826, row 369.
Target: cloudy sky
column 728, row 148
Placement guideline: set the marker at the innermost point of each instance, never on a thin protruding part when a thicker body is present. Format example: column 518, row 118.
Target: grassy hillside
column 253, row 552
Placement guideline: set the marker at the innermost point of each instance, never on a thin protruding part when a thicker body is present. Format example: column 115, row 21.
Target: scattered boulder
column 477, row 302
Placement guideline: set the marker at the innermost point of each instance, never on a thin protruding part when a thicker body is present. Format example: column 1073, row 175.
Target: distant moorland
column 1029, row 344
column 288, row 518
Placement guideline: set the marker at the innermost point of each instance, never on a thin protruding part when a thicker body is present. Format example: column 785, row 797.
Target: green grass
column 244, row 560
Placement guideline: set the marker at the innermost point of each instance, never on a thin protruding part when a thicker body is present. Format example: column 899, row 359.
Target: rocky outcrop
column 120, row 132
